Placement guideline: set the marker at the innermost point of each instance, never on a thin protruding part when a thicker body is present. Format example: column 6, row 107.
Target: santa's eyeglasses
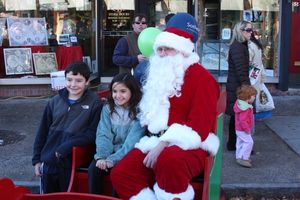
column 165, row 49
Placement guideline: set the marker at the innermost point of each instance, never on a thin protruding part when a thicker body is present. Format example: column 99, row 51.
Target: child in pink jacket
column 244, row 122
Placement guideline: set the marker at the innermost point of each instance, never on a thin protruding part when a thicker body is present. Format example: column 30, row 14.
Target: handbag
column 264, row 100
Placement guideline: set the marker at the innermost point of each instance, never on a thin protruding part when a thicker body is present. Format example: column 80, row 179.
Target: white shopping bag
column 264, row 100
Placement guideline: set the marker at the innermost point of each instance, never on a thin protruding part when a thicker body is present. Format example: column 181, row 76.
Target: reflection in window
column 73, row 17
column 264, row 16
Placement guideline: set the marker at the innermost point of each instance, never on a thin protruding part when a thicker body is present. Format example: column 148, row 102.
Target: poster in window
column 257, row 16
column 87, row 60
column 13, row 5
column 27, row 31
column 247, row 15
column 2, row 29
column 18, row 61
column 44, row 63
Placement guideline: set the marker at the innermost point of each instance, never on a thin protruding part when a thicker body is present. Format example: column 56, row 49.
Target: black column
column 284, row 43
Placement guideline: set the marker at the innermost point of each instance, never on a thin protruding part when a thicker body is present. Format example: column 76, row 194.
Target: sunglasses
column 248, row 30
column 140, row 23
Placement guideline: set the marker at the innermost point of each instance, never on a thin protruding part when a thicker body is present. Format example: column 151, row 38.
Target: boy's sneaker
column 244, row 163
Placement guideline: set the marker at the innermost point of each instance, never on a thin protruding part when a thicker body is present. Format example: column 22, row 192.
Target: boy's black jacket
column 64, row 126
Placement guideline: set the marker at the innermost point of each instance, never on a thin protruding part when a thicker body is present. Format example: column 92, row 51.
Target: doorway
column 115, row 17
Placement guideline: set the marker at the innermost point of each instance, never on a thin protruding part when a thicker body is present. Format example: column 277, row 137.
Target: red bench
column 8, row 191
column 206, row 186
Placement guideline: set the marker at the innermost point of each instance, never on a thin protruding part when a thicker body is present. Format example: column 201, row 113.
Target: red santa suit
column 185, row 111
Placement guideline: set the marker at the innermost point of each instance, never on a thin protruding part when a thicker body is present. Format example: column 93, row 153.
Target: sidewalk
column 275, row 172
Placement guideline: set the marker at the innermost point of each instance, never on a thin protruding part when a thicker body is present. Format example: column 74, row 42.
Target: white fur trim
column 211, row 144
column 163, row 195
column 182, row 136
column 186, row 138
column 147, row 143
column 191, row 59
column 144, row 194
column 175, row 41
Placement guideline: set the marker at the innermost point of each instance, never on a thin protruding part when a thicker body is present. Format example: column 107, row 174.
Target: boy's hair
column 129, row 81
column 245, row 92
column 78, row 67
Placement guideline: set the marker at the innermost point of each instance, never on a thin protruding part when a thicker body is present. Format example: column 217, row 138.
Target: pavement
column 276, row 161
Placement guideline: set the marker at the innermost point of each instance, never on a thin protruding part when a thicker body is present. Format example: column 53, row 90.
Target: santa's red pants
column 173, row 171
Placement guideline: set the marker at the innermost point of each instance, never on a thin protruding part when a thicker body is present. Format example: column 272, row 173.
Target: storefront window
column 36, row 33
column 213, row 48
column 165, row 7
column 115, row 22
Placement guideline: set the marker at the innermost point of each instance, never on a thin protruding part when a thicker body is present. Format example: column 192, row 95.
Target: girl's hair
column 245, row 92
column 237, row 32
column 129, row 81
column 256, row 41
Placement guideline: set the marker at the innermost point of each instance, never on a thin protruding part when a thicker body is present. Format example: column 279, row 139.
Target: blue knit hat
column 181, row 33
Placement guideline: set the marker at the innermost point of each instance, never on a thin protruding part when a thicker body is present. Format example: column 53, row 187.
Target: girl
column 243, row 124
column 118, row 130
column 238, row 72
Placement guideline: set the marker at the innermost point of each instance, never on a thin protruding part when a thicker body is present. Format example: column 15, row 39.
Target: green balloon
column 146, row 40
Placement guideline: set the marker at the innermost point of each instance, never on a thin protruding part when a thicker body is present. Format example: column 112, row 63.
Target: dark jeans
column 231, row 134
column 58, row 182
column 96, row 178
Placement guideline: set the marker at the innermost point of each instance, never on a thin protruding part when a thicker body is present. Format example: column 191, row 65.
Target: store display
column 18, row 61
column 44, row 63
column 27, row 31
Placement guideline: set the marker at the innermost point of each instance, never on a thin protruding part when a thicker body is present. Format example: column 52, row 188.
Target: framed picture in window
column 18, row 61
column 27, row 31
column 63, row 39
column 44, row 63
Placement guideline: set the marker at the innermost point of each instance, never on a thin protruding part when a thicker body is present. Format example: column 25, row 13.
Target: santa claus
column 178, row 108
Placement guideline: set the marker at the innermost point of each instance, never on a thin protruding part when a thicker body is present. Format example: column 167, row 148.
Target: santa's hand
column 151, row 158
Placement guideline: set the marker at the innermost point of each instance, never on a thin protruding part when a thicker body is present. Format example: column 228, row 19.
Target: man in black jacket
column 127, row 54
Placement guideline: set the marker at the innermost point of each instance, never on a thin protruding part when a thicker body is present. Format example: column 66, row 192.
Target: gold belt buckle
column 162, row 132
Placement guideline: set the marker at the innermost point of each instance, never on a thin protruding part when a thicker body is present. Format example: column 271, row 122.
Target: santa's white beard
column 165, row 78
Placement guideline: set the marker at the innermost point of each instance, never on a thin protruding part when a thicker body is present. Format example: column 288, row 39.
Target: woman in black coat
column 238, row 72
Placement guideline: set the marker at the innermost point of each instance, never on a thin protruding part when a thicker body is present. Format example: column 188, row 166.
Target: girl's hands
column 151, row 158
column 104, row 164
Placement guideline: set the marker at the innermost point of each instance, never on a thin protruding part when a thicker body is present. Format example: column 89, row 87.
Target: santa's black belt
column 160, row 133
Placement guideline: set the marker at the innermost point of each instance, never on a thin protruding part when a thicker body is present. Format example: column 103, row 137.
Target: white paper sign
column 12, row 5
column 58, row 80
column 226, row 33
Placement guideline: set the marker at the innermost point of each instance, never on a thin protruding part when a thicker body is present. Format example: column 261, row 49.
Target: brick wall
column 25, row 90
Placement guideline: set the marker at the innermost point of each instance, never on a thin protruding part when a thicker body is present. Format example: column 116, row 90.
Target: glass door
column 115, row 22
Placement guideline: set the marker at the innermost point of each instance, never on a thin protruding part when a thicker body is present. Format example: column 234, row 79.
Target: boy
column 69, row 119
